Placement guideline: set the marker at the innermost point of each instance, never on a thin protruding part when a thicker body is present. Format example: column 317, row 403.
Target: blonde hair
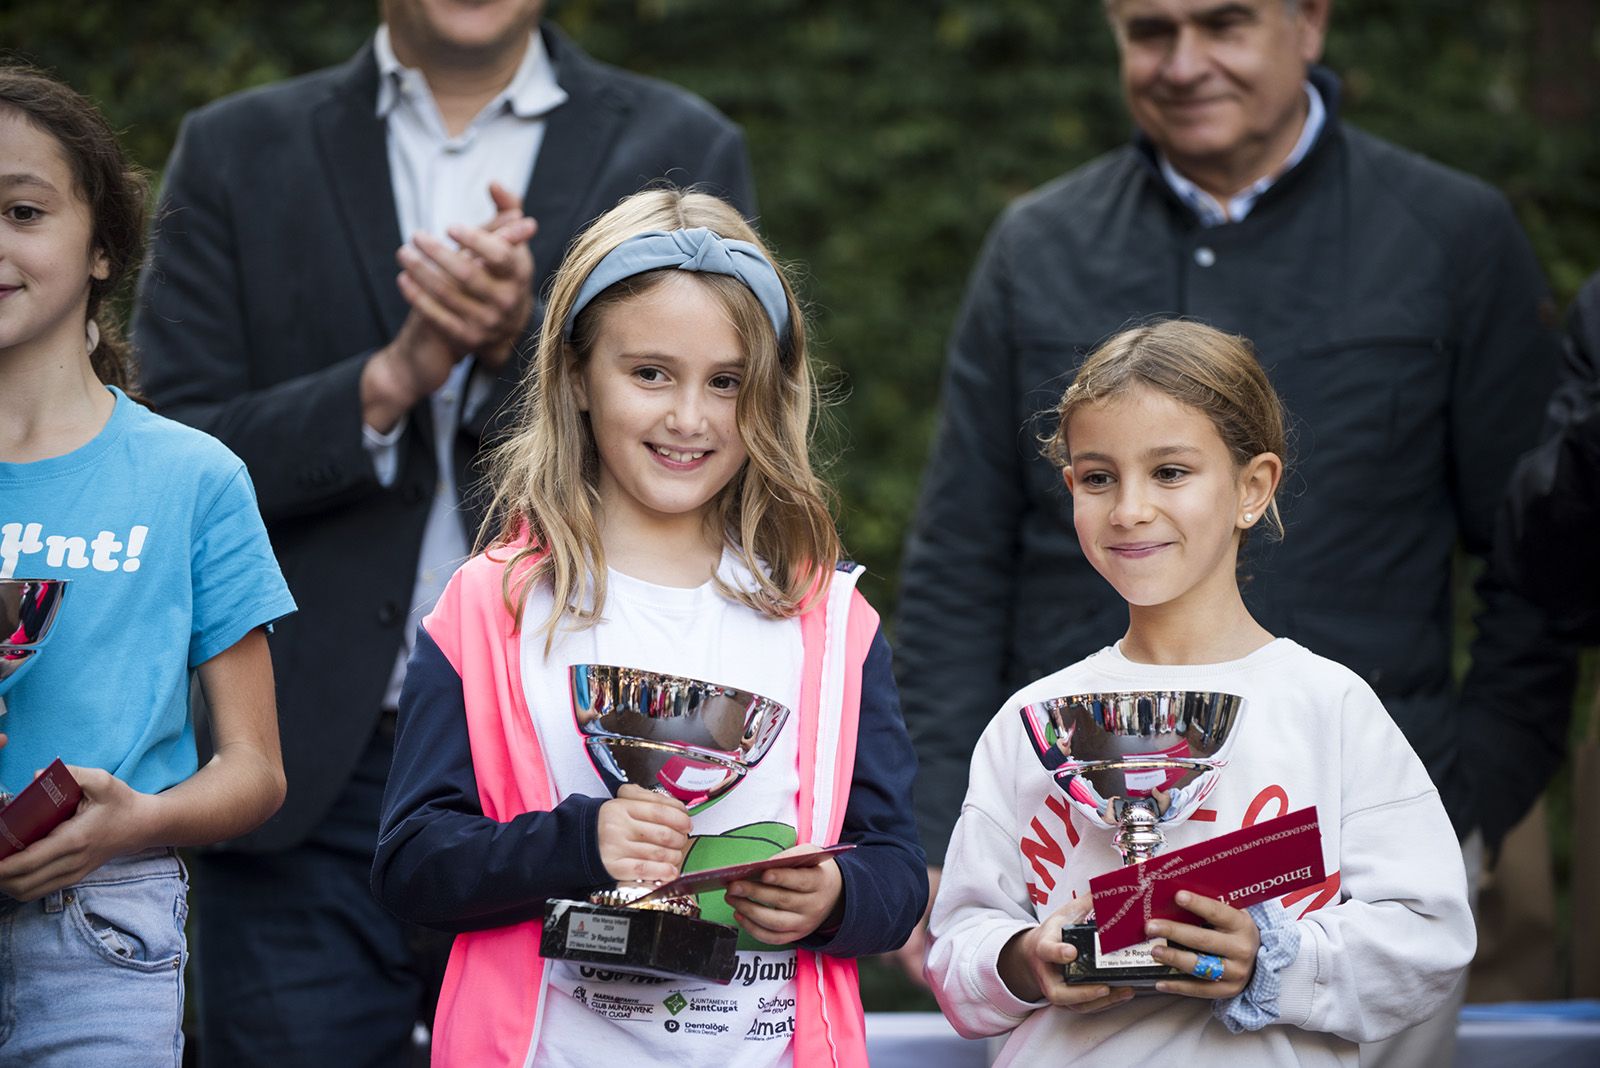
column 774, row 512
column 1196, row 365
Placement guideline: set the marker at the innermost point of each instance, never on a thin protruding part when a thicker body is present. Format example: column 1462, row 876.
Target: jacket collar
column 1327, row 85
column 352, row 140
column 577, row 136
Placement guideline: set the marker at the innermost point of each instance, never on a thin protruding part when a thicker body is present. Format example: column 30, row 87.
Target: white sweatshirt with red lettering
column 1381, row 941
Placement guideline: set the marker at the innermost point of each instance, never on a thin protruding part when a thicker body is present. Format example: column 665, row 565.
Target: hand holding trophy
column 663, row 745
column 27, row 612
column 1131, row 763
column 644, row 835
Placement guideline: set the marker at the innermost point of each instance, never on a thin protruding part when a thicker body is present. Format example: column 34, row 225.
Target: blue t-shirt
column 155, row 526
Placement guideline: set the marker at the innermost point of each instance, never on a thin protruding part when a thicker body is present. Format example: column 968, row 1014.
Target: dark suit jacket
column 1545, row 542
column 272, row 280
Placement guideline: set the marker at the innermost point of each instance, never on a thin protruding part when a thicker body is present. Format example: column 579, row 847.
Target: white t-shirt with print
column 592, row 1016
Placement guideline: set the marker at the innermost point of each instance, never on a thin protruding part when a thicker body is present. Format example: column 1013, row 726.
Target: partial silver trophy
column 1132, row 763
column 28, row 610
column 682, row 737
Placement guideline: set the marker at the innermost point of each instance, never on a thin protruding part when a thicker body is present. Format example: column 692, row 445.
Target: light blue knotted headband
column 698, row 249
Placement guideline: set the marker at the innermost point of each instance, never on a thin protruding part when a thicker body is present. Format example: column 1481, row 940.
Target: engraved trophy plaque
column 27, row 612
column 1132, row 763
column 691, row 740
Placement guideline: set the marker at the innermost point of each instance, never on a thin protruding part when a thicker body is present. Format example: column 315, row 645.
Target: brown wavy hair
column 774, row 513
column 116, row 190
column 1196, row 365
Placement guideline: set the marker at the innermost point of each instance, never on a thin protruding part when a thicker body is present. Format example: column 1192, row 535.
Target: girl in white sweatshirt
column 1171, row 442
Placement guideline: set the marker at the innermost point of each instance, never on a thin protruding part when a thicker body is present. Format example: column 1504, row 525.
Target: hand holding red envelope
column 1241, row 868
column 43, row 805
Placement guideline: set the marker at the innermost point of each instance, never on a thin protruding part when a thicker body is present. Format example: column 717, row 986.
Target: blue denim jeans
column 93, row 975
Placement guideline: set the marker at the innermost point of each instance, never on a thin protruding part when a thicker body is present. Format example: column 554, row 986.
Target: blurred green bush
column 887, row 136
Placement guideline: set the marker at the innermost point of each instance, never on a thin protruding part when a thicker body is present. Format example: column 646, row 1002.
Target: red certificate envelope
column 698, row 882
column 1241, row 868
column 46, row 802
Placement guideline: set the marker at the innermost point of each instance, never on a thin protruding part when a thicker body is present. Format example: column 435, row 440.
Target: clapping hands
column 473, row 300
column 478, row 297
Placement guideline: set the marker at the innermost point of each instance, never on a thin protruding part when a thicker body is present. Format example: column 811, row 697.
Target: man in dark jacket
column 360, row 385
column 1401, row 314
column 1551, row 519
column 1545, row 547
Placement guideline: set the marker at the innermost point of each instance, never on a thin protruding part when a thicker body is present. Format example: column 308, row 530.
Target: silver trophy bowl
column 689, row 739
column 1133, row 761
column 684, row 738
column 27, row 612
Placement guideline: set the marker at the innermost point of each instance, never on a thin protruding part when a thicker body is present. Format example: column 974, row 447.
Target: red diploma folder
column 1242, row 868
column 39, row 809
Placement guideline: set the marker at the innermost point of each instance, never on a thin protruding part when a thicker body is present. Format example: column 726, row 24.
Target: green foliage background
column 886, row 137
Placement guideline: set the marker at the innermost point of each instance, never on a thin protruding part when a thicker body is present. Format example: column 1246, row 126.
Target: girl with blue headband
column 655, row 511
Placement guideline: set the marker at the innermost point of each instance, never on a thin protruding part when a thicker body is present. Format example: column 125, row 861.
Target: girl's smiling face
column 1157, row 499
column 661, row 386
column 46, row 244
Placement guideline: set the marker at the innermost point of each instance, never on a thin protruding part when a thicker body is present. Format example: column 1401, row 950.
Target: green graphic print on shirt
column 753, row 841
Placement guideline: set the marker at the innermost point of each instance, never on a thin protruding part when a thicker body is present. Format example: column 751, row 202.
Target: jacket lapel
column 577, row 136
column 353, row 143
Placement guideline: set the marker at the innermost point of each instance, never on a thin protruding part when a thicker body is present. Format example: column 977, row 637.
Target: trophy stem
column 1139, row 836
column 5, row 798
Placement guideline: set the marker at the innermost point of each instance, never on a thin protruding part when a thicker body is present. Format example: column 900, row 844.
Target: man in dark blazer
column 277, row 314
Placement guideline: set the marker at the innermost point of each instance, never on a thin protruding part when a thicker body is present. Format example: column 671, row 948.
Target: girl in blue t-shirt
column 169, row 572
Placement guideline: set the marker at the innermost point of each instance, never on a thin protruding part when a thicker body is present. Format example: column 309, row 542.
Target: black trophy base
column 1132, row 966
column 642, row 941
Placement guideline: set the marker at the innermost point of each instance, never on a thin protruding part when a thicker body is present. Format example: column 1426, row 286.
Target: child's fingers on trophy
column 659, row 807
column 1050, row 954
column 1074, row 911
column 1049, row 948
column 642, row 871
column 1217, row 976
column 1202, row 988
column 1202, row 939
column 633, row 792
column 648, row 832
column 661, row 852
column 1106, row 997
